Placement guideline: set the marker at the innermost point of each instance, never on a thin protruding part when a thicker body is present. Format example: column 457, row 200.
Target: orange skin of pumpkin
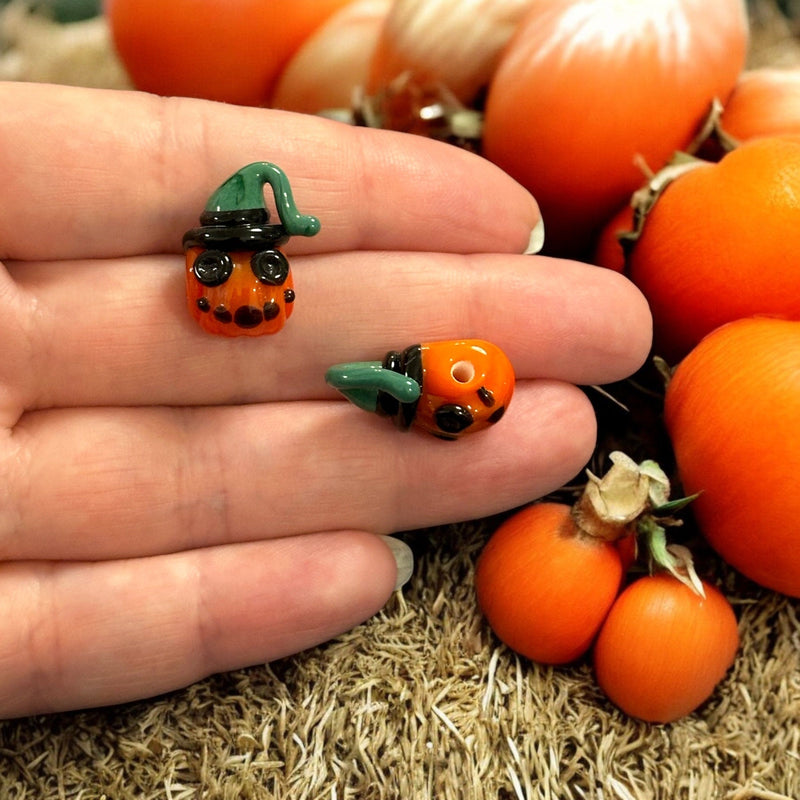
column 732, row 411
column 764, row 102
column 544, row 587
column 228, row 50
column 663, row 649
column 608, row 251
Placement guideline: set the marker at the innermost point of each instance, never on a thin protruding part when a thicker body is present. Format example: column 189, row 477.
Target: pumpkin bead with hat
column 238, row 281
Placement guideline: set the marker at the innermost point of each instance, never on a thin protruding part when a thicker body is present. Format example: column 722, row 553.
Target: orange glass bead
column 445, row 388
column 238, row 282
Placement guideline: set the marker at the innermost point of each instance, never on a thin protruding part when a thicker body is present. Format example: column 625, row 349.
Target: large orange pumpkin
column 587, row 87
column 721, row 243
column 733, row 414
column 229, row 50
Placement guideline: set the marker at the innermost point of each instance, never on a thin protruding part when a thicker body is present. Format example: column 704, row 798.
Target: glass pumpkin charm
column 238, row 281
column 444, row 388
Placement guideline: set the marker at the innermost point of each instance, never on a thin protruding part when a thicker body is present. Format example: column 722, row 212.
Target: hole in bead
column 463, row 371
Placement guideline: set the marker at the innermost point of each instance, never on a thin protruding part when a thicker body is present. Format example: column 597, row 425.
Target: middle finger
column 120, row 335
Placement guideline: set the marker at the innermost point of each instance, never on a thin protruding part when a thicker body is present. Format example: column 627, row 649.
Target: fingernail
column 536, row 242
column 404, row 558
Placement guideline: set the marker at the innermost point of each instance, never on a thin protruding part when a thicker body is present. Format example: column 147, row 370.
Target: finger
column 116, row 483
column 123, row 336
column 86, row 634
column 121, row 173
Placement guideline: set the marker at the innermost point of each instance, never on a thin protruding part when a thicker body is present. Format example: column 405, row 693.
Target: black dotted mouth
column 244, row 316
column 248, row 317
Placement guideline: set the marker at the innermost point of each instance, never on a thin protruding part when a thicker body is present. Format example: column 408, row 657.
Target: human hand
column 175, row 504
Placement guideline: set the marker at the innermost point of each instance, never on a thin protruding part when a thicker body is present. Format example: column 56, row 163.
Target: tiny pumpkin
column 544, row 585
column 764, row 102
column 663, row 648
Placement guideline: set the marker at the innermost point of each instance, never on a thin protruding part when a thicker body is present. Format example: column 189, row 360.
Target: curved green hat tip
column 244, row 190
column 361, row 382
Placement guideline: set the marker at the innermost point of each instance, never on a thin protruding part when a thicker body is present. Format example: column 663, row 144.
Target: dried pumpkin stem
column 713, row 130
column 675, row 559
column 610, row 506
column 645, row 198
column 596, row 525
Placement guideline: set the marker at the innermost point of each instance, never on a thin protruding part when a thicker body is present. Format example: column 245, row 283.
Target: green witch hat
column 391, row 388
column 363, row 383
column 236, row 217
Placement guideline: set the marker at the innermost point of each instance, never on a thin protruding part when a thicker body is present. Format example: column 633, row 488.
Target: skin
column 174, row 504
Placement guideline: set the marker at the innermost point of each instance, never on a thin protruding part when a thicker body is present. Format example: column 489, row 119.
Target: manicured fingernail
column 536, row 242
column 404, row 558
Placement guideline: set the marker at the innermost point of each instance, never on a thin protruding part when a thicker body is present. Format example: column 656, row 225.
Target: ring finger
column 118, row 482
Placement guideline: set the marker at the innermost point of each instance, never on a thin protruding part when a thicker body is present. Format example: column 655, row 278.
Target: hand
column 174, row 504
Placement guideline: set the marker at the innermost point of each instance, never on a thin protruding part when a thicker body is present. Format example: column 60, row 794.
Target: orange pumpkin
column 608, row 251
column 586, row 88
column 229, row 50
column 732, row 411
column 721, row 243
column 663, row 648
column 544, row 585
column 764, row 102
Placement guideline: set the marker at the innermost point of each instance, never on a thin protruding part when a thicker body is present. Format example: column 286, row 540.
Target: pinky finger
column 78, row 635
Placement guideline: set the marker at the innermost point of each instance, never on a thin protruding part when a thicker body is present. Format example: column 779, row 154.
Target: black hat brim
column 243, row 237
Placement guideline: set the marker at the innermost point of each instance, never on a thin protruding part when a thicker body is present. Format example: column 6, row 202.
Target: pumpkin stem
column 633, row 499
column 673, row 558
column 712, row 131
column 643, row 200
column 610, row 507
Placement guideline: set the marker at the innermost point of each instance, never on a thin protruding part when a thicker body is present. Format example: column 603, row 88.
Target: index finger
column 89, row 173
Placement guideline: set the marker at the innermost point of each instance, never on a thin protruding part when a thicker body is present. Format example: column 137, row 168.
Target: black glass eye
column 270, row 266
column 452, row 418
column 212, row 267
